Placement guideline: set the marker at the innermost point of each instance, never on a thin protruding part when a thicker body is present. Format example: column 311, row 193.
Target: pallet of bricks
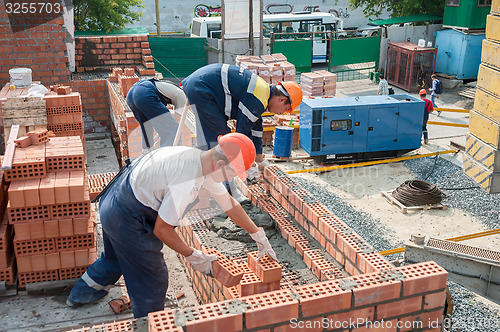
column 64, row 112
column 272, row 68
column 19, row 109
column 482, row 145
column 49, row 209
column 320, row 83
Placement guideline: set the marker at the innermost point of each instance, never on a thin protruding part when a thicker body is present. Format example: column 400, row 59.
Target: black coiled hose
column 418, row 192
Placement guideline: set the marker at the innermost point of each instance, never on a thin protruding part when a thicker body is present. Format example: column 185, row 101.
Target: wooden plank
column 10, row 149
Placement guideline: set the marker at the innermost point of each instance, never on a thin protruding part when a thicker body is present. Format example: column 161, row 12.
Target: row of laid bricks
column 35, row 161
column 348, row 248
column 95, row 104
column 321, row 264
column 97, row 182
column 414, row 293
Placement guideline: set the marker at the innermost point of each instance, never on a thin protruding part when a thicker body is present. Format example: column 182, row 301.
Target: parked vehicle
column 290, row 24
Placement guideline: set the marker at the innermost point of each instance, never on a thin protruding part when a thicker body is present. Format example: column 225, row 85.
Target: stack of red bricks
column 268, row 124
column 7, row 266
column 125, row 79
column 49, row 207
column 272, row 68
column 311, row 84
column 112, row 51
column 329, row 82
column 64, row 112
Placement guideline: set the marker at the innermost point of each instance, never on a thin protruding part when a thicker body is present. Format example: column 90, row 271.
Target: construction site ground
column 358, row 187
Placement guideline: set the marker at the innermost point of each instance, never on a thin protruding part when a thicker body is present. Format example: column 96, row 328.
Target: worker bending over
column 148, row 100
column 219, row 92
column 140, row 210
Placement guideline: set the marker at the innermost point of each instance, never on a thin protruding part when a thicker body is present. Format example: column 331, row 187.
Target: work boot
column 439, row 113
column 426, row 141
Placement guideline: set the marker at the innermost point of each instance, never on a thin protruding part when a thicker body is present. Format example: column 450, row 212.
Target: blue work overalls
column 217, row 93
column 130, row 249
column 150, row 110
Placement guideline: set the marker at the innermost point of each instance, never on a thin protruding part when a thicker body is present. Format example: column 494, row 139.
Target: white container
column 421, row 43
column 429, row 44
column 20, row 77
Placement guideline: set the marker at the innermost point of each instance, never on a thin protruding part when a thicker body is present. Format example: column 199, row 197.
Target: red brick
column 22, row 231
column 214, row 317
column 270, row 308
column 23, row 142
column 373, row 288
column 398, row 308
column 66, row 227
column 53, row 261
column 76, row 187
column 435, row 300
column 47, row 189
column 16, row 193
column 423, row 277
column 67, row 259
column 225, row 271
column 301, row 325
column 337, row 321
column 51, row 228
column 37, row 230
column 266, row 268
column 31, row 192
column 323, row 297
column 62, row 187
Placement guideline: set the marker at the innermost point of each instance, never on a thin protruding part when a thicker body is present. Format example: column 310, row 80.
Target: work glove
column 263, row 164
column 201, row 261
column 253, row 174
column 263, row 244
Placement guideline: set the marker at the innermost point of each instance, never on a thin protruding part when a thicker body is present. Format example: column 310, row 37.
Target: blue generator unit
column 360, row 128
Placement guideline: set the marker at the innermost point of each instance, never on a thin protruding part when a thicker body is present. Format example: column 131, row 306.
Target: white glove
column 201, row 261
column 263, row 244
column 253, row 174
column 263, row 164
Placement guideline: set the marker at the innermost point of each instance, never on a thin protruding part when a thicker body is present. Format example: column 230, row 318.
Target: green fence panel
column 354, row 50
column 178, row 57
column 298, row 52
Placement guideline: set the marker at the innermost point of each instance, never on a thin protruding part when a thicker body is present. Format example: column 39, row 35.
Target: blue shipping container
column 333, row 127
column 459, row 54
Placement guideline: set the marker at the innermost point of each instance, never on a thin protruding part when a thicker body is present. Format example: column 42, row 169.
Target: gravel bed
column 477, row 202
column 371, row 230
column 469, row 314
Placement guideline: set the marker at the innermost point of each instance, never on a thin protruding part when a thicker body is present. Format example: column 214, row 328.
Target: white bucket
column 20, row 77
column 421, row 43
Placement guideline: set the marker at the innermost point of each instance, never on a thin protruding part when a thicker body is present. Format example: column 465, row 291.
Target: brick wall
column 95, row 104
column 104, row 52
column 34, row 41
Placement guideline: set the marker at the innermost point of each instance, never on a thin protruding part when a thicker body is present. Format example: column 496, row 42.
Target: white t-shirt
column 168, row 180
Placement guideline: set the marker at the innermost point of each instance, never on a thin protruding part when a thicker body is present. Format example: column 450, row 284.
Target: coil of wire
column 418, row 192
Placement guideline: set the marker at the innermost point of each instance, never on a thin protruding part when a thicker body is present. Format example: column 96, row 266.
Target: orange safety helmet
column 239, row 151
column 422, row 92
column 293, row 92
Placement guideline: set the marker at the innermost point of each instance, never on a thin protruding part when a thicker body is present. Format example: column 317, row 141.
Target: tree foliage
column 105, row 15
column 374, row 8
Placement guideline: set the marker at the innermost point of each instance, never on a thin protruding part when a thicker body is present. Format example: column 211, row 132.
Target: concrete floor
column 25, row 312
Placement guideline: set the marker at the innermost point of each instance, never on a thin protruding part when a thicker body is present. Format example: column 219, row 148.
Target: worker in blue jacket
column 219, row 92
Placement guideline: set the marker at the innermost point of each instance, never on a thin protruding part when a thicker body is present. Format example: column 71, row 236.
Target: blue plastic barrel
column 283, row 137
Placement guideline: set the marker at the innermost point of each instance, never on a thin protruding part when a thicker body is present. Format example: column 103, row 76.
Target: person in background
column 383, row 86
column 428, row 108
column 220, row 92
column 436, row 90
column 144, row 203
column 148, row 100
